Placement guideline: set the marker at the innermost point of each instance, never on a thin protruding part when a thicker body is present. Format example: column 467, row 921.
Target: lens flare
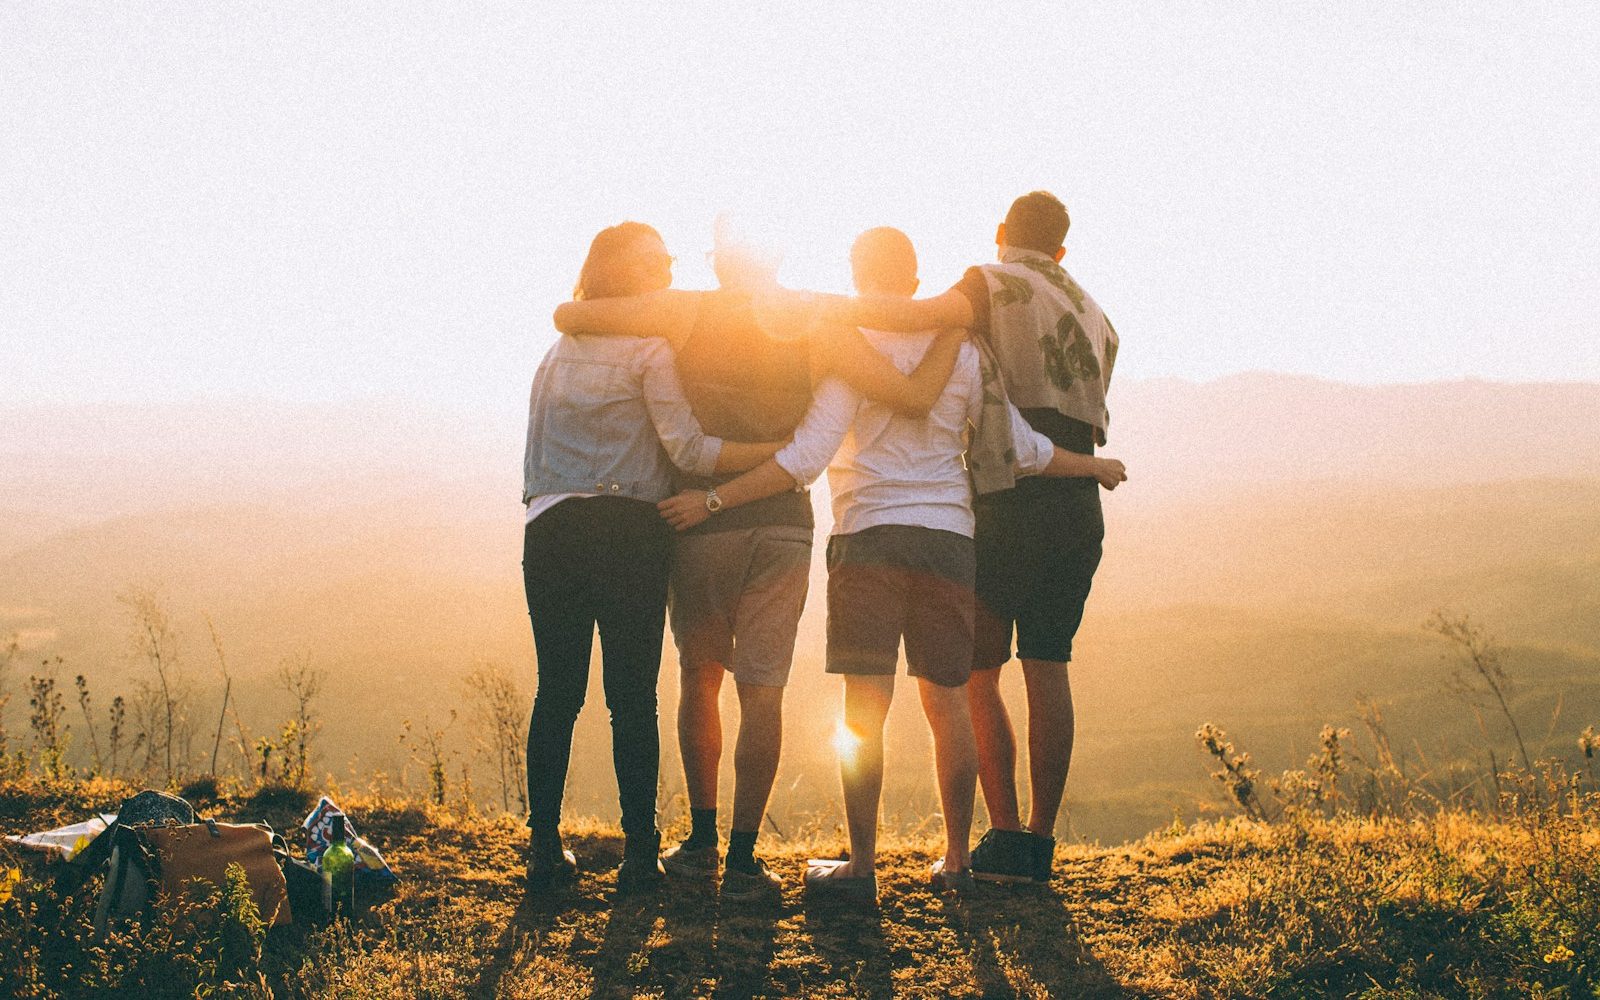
column 845, row 742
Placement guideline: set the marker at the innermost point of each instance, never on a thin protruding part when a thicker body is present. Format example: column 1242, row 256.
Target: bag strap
column 137, row 852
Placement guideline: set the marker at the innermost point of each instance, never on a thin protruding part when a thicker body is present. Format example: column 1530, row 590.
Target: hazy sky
column 327, row 201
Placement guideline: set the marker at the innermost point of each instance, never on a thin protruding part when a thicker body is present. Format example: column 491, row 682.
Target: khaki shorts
column 736, row 597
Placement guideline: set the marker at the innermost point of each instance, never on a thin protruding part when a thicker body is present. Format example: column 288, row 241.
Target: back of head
column 607, row 271
column 1037, row 221
column 739, row 258
column 883, row 262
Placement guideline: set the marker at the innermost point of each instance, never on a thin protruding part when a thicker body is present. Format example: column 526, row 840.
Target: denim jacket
column 608, row 415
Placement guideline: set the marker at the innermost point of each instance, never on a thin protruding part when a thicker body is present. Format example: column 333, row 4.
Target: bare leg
column 956, row 759
column 997, row 749
column 1050, row 733
column 866, row 705
column 700, row 732
column 755, row 756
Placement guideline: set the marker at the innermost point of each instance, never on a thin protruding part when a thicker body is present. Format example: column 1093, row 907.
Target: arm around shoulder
column 890, row 312
column 668, row 314
column 844, row 353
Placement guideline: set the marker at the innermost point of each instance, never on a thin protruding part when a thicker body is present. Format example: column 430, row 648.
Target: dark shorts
column 1038, row 546
column 897, row 580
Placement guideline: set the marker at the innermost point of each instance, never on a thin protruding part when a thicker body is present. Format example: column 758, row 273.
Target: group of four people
column 671, row 437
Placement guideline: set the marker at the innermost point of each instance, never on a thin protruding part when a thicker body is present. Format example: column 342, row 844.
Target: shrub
column 240, row 930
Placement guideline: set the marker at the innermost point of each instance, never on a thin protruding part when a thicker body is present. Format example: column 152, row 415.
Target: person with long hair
column 607, row 421
column 748, row 356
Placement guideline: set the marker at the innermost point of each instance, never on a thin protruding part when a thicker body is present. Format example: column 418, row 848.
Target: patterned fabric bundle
column 370, row 866
column 1048, row 346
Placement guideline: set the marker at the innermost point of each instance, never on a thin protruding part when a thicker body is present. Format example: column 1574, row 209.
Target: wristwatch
column 713, row 502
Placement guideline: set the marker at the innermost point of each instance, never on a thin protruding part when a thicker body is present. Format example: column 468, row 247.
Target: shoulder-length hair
column 605, row 274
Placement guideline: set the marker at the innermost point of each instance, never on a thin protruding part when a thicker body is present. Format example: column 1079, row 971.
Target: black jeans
column 585, row 562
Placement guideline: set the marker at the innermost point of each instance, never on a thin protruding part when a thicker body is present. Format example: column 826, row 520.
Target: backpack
column 150, row 862
column 149, row 806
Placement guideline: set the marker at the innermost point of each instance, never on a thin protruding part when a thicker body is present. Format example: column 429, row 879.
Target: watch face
column 713, row 502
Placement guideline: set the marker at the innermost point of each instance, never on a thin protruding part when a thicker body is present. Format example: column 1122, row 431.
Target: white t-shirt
column 886, row 468
column 539, row 504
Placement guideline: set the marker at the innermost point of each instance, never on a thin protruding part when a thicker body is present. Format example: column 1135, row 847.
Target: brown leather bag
column 205, row 850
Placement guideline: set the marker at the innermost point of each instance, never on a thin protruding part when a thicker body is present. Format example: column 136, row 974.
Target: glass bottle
column 339, row 870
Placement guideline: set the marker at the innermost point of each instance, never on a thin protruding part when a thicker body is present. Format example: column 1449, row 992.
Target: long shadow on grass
column 584, row 924
column 621, row 962
column 535, row 916
column 1026, row 928
column 678, row 941
column 622, row 965
column 747, row 936
column 849, row 942
column 712, row 948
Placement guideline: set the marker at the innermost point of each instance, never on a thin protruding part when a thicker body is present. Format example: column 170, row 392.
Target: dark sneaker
column 1005, row 856
column 641, row 869
column 1044, row 858
column 547, row 870
column 950, row 880
column 743, row 883
column 689, row 862
column 824, row 881
column 640, row 873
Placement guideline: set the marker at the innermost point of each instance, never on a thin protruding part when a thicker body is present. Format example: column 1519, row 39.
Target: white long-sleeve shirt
column 885, row 468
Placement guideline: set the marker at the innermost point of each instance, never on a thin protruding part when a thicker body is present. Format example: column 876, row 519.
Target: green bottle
column 339, row 871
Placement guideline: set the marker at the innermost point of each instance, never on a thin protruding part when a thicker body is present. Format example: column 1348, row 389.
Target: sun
column 845, row 742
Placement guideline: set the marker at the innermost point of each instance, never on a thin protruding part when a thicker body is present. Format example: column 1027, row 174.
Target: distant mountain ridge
column 1179, row 437
column 68, row 465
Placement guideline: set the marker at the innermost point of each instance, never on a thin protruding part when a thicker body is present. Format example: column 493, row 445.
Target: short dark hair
column 1037, row 221
column 883, row 260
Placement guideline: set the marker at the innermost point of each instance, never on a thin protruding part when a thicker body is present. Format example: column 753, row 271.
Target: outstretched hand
column 1109, row 472
column 685, row 510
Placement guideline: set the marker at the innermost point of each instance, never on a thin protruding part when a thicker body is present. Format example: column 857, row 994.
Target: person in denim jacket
column 748, row 355
column 607, row 422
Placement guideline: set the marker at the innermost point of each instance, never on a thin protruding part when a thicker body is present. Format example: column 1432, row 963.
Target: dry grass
column 1446, row 907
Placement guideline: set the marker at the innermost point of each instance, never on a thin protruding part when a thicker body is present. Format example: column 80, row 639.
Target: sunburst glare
column 845, row 742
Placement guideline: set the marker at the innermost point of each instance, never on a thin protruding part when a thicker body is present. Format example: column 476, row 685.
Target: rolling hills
column 1269, row 562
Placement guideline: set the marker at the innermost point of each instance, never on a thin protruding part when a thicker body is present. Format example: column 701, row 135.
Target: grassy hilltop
column 1451, row 906
column 1278, row 591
